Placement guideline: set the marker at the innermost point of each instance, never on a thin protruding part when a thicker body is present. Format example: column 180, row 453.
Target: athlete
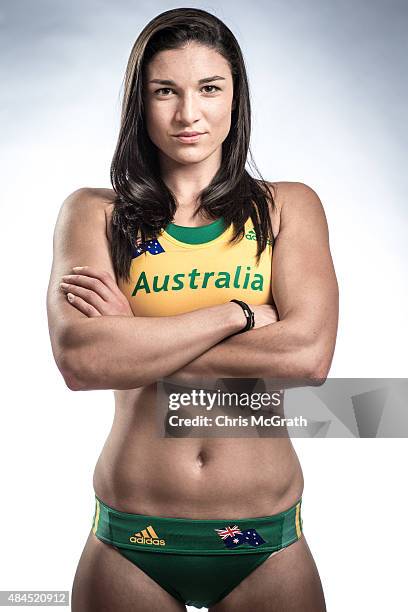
column 142, row 286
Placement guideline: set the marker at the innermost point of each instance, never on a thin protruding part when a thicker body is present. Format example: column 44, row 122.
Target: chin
column 190, row 157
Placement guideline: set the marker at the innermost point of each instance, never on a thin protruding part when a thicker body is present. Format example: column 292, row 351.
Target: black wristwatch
column 250, row 316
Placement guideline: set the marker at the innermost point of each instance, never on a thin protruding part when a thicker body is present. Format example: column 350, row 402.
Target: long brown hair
column 144, row 204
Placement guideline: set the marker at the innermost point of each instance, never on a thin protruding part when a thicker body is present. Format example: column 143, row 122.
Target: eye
column 214, row 87
column 167, row 89
column 163, row 89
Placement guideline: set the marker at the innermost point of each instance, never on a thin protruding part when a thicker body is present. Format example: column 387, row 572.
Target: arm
column 301, row 344
column 118, row 352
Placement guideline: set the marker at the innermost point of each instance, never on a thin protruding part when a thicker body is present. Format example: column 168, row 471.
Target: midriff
column 201, row 478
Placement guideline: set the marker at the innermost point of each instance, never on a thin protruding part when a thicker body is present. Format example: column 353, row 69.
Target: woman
column 160, row 307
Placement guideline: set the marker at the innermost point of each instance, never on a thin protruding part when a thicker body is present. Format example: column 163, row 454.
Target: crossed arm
column 124, row 352
column 301, row 344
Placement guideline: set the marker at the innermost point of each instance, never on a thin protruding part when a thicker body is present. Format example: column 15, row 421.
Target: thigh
column 105, row 581
column 287, row 581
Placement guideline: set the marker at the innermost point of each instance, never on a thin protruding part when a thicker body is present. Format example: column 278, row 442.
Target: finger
column 114, row 300
column 104, row 276
column 88, row 282
column 86, row 295
column 83, row 306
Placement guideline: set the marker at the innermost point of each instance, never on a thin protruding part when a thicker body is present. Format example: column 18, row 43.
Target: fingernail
column 70, row 297
column 78, row 267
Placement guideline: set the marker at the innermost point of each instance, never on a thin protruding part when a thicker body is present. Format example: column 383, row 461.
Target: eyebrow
column 205, row 80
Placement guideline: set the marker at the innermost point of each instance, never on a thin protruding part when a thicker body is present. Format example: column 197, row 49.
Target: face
column 192, row 92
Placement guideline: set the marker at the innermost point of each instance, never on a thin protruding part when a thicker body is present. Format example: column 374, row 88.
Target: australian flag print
column 150, row 246
column 234, row 537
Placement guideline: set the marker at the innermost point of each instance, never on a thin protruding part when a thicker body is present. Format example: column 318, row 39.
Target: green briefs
column 198, row 561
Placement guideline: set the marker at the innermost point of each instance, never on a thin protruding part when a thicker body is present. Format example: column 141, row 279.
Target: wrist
column 234, row 318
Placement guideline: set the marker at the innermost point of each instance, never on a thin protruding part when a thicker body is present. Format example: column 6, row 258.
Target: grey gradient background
column 328, row 89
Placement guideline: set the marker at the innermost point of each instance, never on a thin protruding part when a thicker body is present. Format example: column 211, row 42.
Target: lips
column 190, row 138
column 189, row 134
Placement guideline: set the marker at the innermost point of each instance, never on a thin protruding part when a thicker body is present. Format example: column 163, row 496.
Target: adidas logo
column 147, row 536
column 251, row 235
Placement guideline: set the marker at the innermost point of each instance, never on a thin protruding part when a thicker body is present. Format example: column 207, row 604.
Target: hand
column 95, row 293
column 265, row 314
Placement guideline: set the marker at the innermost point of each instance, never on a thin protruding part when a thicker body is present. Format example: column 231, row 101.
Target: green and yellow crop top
column 186, row 268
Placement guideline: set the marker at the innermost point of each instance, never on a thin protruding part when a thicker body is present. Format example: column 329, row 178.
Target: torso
column 200, row 478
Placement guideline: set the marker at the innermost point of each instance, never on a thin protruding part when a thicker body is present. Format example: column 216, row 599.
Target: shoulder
column 287, row 192
column 90, row 198
column 295, row 200
column 295, row 195
column 87, row 202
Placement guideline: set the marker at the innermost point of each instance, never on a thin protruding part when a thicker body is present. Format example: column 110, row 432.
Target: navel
column 201, row 459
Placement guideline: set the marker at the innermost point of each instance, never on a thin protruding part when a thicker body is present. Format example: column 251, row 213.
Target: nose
column 188, row 109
